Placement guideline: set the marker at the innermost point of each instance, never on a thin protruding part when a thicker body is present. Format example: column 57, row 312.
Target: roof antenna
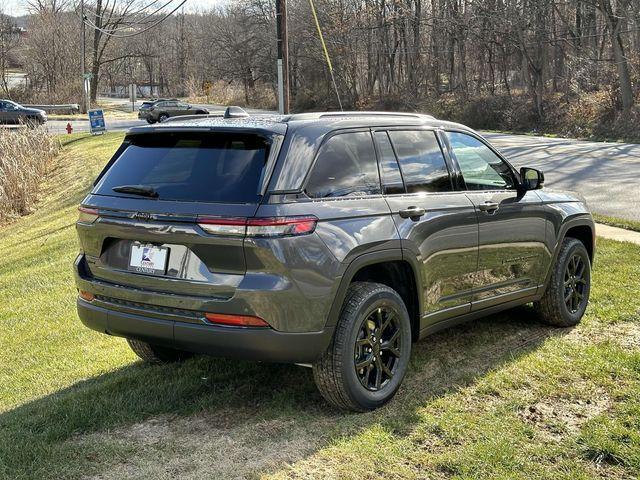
column 326, row 53
column 235, row 112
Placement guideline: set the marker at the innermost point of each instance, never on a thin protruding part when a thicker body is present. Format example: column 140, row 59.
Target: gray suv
column 331, row 240
column 160, row 110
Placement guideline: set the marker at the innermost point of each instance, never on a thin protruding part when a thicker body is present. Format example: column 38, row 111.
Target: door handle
column 414, row 213
column 489, row 207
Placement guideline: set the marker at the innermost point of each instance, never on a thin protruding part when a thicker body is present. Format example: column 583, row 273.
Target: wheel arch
column 581, row 228
column 389, row 268
column 584, row 233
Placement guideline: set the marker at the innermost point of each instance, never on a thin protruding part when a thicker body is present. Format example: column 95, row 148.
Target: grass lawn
column 503, row 397
column 617, row 222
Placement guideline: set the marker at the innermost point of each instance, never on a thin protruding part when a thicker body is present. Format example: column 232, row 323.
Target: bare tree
column 9, row 41
column 616, row 16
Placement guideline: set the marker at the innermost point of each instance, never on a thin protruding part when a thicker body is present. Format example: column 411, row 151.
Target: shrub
column 262, row 96
column 25, row 155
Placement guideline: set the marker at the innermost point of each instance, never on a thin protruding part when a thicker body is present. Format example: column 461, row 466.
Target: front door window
column 481, row 168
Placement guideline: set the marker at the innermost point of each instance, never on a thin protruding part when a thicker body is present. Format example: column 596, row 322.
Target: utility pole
column 83, row 32
column 283, row 56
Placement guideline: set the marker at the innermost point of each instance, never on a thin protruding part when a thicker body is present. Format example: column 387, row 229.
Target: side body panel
column 348, row 228
column 444, row 241
column 512, row 243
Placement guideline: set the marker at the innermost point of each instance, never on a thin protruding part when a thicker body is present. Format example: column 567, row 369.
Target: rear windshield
column 211, row 167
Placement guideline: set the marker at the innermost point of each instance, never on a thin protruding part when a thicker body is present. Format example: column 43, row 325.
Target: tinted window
column 346, row 166
column 389, row 169
column 421, row 160
column 191, row 167
column 481, row 168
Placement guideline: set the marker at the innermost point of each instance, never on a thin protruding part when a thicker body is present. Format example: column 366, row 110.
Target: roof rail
column 192, row 117
column 311, row 115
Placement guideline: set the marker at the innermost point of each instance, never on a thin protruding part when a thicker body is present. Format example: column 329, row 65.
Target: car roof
column 305, row 132
column 322, row 122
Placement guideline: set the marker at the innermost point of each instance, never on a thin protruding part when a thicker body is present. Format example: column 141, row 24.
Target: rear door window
column 345, row 166
column 421, row 160
column 212, row 167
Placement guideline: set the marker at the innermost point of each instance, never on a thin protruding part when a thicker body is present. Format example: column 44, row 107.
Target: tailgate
column 144, row 232
column 197, row 262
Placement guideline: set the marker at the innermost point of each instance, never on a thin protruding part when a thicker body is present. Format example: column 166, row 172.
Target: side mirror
column 531, row 179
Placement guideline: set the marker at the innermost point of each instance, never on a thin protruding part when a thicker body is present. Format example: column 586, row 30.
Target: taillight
column 87, row 296
column 280, row 226
column 259, row 227
column 236, row 227
column 87, row 215
column 235, row 320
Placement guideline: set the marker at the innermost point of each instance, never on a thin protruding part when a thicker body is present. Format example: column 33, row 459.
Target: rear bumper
column 262, row 344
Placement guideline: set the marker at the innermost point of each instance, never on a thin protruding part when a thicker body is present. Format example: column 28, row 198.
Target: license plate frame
column 148, row 259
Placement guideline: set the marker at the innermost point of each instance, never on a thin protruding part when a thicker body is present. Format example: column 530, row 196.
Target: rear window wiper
column 142, row 190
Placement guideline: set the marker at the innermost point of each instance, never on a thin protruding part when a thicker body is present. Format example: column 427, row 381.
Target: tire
column 337, row 377
column 155, row 353
column 565, row 300
column 162, row 117
column 150, row 121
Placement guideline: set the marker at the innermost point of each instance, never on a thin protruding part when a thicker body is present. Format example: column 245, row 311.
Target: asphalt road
column 606, row 174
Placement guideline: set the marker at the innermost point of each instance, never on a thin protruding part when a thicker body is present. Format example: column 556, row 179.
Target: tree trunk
column 626, row 89
column 614, row 22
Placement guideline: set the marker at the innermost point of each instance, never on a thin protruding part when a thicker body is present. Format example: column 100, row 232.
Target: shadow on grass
column 37, row 439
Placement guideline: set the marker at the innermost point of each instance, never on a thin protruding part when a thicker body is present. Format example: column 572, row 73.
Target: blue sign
column 96, row 119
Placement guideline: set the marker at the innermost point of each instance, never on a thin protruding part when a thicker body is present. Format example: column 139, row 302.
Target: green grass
column 503, row 397
column 617, row 222
column 527, row 133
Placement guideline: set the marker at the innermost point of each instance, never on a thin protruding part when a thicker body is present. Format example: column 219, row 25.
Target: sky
column 19, row 7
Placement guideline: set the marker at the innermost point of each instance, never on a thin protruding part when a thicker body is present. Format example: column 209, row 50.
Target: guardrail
column 70, row 108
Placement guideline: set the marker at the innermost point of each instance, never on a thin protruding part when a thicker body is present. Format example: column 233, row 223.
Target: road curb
column 616, row 233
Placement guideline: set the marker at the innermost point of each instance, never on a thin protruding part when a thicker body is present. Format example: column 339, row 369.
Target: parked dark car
column 160, row 110
column 14, row 113
column 331, row 240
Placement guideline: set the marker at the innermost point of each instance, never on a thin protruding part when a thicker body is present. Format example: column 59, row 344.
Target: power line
column 326, row 53
column 111, row 32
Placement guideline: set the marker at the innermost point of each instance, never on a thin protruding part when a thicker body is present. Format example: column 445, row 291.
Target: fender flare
column 582, row 220
column 364, row 260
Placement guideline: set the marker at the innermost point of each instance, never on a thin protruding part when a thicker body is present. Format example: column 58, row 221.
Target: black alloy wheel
column 378, row 348
column 575, row 284
column 368, row 356
column 567, row 293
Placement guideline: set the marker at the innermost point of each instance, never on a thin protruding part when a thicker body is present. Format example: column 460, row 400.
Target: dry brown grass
column 25, row 155
column 225, row 93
